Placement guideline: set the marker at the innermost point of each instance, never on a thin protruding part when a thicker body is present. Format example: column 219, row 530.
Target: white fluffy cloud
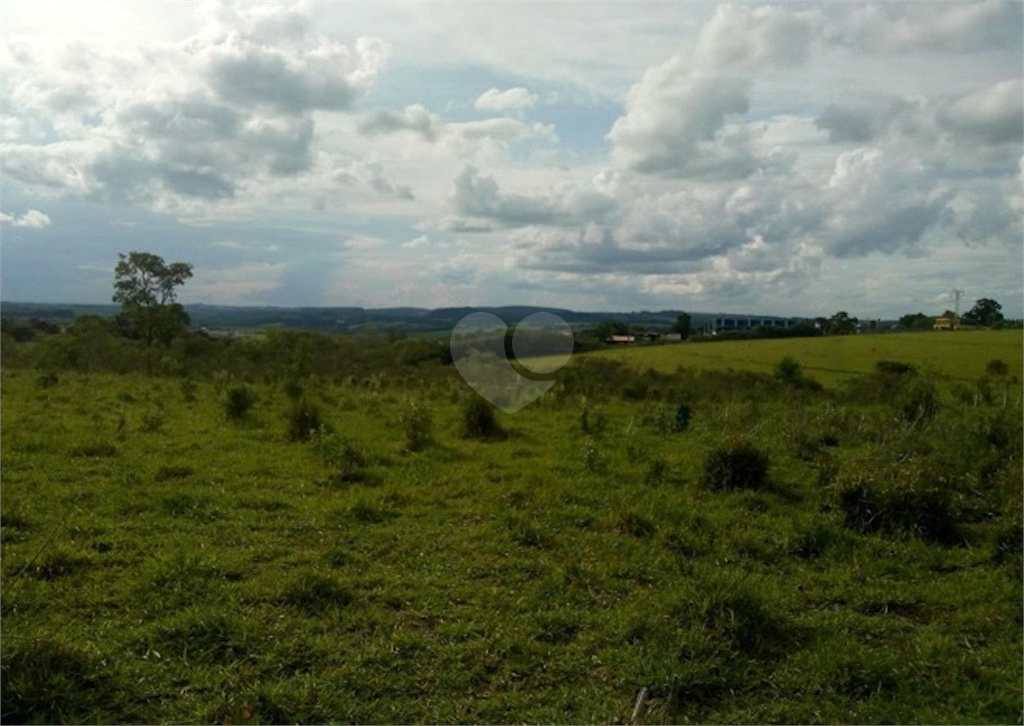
column 742, row 155
column 32, row 218
column 513, row 99
column 198, row 121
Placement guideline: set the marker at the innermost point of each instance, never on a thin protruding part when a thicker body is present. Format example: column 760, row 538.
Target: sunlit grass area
column 770, row 554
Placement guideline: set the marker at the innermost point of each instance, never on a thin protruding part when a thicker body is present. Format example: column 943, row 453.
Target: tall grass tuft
column 736, row 465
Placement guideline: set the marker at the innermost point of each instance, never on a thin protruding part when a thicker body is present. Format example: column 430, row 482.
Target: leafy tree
column 916, row 321
column 985, row 312
column 682, row 325
column 144, row 286
column 611, row 327
column 842, row 324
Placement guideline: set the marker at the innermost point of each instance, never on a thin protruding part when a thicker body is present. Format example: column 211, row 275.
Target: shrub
column 736, row 465
column 418, row 424
column 996, row 367
column 892, row 367
column 238, row 401
column 304, row 421
column 789, row 371
column 683, row 415
column 479, row 421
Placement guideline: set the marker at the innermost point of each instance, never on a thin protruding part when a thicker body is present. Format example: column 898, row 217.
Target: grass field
column 162, row 563
column 960, row 355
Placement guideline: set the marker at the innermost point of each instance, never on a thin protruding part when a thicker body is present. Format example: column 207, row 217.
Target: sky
column 787, row 159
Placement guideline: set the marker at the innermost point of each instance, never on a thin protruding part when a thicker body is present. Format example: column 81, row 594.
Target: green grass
column 960, row 355
column 210, row 569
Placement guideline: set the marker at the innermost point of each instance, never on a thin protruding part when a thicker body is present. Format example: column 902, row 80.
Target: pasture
column 960, row 355
column 694, row 546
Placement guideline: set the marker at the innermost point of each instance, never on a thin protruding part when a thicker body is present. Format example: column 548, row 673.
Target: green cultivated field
column 961, row 355
column 734, row 547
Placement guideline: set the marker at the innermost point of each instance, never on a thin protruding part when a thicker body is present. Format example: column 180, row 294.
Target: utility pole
column 956, row 295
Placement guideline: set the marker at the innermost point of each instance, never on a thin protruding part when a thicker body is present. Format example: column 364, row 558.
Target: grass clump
column 480, row 423
column 95, row 450
column 304, row 421
column 417, row 422
column 736, row 465
column 50, row 681
column 314, row 594
column 165, row 473
column 899, row 500
column 238, row 401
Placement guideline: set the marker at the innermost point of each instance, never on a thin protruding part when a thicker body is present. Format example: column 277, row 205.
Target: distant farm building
column 946, row 323
column 620, row 339
column 747, row 322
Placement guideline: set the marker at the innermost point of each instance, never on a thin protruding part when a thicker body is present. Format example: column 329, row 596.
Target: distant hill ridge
column 340, row 319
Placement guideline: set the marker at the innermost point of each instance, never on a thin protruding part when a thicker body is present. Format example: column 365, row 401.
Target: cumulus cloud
column 416, row 119
column 943, row 27
column 480, row 196
column 200, row 121
column 740, row 39
column 676, row 117
column 32, row 218
column 513, row 99
column 992, row 115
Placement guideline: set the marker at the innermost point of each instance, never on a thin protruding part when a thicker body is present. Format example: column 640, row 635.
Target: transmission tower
column 956, row 296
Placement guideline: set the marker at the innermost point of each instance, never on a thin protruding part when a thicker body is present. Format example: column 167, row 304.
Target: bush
column 238, row 402
column 479, row 421
column 737, row 465
column 418, row 425
column 996, row 367
column 789, row 371
column 304, row 421
column 683, row 415
column 892, row 367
